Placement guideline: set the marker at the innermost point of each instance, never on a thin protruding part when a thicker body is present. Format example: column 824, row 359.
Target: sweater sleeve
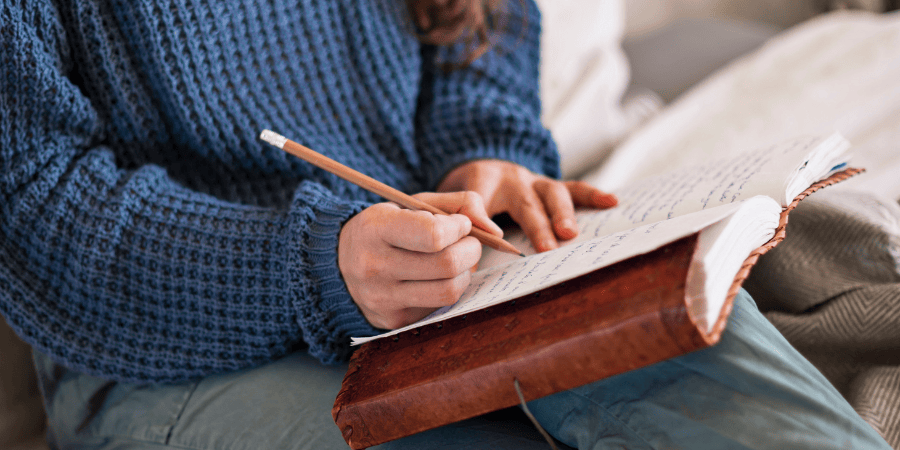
column 127, row 275
column 490, row 109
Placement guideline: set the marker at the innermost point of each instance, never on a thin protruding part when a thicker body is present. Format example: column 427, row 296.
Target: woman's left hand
column 542, row 206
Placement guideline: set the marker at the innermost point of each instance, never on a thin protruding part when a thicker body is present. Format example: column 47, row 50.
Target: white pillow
column 583, row 76
column 837, row 72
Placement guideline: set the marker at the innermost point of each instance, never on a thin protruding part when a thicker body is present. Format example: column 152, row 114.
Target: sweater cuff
column 544, row 161
column 326, row 311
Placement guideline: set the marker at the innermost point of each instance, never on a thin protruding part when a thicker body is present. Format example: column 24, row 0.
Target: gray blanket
column 832, row 287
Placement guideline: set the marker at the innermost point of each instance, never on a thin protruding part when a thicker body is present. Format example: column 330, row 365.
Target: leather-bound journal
column 594, row 308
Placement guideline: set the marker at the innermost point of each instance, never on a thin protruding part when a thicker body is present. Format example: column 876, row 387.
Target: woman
column 168, row 268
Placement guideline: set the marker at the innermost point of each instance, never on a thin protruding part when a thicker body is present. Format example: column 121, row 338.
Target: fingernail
column 547, row 244
column 567, row 229
column 494, row 228
column 606, row 200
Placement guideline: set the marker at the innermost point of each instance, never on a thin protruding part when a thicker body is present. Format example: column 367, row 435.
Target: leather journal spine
column 613, row 320
column 616, row 319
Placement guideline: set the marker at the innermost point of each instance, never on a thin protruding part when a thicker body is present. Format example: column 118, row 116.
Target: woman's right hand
column 400, row 265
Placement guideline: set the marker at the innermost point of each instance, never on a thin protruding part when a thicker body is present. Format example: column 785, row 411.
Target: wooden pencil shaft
column 360, row 179
column 372, row 185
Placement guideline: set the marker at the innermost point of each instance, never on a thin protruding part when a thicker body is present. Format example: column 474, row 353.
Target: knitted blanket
column 833, row 289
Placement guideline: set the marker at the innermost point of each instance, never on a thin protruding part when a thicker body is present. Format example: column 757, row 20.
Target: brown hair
column 446, row 22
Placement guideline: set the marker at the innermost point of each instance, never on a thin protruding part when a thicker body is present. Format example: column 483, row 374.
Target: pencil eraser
column 273, row 138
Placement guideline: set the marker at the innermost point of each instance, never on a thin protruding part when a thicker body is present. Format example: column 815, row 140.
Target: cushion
column 836, row 72
column 584, row 74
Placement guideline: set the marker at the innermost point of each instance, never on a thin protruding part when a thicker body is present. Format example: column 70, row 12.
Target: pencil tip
column 522, row 255
column 273, row 138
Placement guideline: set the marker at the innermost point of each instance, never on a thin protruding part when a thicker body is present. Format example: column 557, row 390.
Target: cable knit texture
column 146, row 235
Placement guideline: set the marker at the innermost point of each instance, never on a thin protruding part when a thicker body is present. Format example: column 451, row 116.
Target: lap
column 750, row 391
column 282, row 405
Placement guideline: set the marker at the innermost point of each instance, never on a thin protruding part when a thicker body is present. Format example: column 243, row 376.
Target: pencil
column 372, row 185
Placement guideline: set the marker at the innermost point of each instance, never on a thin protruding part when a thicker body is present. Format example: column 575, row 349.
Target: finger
column 413, row 315
column 529, row 213
column 395, row 304
column 400, row 318
column 583, row 194
column 558, row 203
column 433, row 293
column 393, row 319
column 421, row 231
column 468, row 203
column 487, row 186
column 404, row 265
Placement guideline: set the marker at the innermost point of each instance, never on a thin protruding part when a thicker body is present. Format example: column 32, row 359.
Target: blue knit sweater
column 146, row 235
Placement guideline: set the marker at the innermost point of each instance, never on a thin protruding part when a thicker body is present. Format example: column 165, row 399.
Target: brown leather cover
column 610, row 321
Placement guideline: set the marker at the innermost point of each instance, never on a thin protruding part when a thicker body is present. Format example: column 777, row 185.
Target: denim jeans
column 750, row 391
